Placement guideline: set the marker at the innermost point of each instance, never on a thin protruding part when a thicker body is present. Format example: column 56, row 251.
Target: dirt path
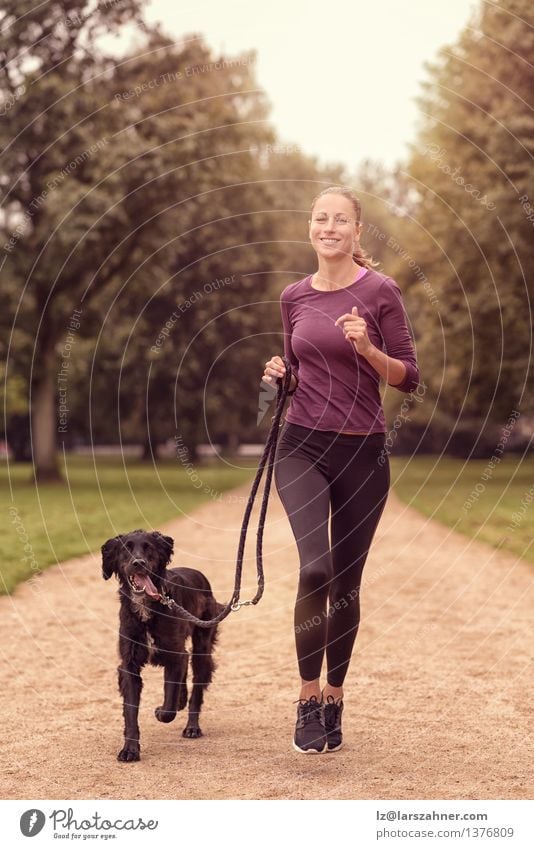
column 438, row 699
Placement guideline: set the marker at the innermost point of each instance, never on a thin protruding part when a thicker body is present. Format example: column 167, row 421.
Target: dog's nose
column 138, row 562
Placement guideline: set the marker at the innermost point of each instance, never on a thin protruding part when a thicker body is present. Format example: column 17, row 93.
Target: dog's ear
column 164, row 546
column 110, row 550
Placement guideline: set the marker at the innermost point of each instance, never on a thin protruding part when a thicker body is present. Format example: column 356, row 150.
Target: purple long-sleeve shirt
column 337, row 388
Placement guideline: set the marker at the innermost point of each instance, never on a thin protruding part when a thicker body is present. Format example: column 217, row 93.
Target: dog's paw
column 164, row 715
column 192, row 733
column 131, row 752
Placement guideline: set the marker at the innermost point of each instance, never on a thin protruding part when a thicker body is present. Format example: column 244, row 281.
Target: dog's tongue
column 144, row 582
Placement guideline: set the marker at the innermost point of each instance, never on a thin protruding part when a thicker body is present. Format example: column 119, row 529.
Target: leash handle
column 267, row 458
column 282, row 392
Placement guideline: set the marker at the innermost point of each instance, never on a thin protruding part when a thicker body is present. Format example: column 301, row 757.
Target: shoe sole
column 310, row 751
column 334, row 748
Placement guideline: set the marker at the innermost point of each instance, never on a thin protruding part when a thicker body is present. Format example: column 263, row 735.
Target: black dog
column 150, row 632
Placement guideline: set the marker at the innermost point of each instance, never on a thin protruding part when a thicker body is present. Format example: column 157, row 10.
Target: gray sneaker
column 310, row 732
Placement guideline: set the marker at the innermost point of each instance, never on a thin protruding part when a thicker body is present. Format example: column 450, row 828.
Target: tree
column 100, row 180
column 48, row 165
column 469, row 230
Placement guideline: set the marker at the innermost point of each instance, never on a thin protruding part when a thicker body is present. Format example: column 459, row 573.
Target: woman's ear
column 165, row 547
column 110, row 550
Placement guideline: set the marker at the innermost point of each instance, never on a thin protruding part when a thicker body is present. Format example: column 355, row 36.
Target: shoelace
column 310, row 708
column 331, row 716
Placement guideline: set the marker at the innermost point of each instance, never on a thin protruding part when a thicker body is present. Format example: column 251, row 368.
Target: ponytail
column 364, row 259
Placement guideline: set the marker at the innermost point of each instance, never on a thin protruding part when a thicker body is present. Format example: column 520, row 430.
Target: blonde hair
column 359, row 256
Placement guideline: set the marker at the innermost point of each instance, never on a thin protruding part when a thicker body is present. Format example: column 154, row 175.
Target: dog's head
column 138, row 559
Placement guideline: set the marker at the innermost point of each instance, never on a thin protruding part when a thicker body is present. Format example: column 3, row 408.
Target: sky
column 342, row 77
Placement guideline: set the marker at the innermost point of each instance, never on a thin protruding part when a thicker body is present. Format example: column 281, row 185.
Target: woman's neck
column 333, row 275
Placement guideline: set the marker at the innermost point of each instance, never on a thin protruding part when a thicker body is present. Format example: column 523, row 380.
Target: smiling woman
column 347, row 224
column 337, row 323
column 344, row 328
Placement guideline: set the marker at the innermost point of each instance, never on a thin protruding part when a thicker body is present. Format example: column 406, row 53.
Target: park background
column 153, row 211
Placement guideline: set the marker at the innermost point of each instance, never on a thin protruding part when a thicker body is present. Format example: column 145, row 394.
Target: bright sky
column 342, row 78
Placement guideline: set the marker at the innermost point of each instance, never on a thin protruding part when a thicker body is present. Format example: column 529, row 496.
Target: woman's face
column 333, row 228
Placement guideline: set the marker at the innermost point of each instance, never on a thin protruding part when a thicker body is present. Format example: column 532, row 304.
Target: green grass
column 55, row 522
column 473, row 498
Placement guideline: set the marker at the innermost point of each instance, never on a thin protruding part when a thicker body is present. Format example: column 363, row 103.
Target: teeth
column 134, row 586
column 330, row 241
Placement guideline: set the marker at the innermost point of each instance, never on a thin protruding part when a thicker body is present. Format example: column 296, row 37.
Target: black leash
column 267, row 459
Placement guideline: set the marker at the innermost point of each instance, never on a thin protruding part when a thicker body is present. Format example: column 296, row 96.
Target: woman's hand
column 274, row 368
column 355, row 330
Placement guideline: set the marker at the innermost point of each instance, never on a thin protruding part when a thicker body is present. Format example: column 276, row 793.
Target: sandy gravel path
column 438, row 699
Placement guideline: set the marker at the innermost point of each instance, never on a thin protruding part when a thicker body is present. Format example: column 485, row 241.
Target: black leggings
column 315, row 471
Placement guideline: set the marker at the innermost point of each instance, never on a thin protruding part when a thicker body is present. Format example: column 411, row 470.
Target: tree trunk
column 43, row 422
column 150, row 449
column 232, row 444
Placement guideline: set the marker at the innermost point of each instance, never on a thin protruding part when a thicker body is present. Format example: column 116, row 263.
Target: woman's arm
column 275, row 368
column 288, row 349
column 393, row 371
column 399, row 365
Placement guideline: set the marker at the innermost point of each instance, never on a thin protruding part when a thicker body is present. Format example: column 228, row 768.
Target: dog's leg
column 130, row 686
column 175, row 689
column 134, row 654
column 203, row 666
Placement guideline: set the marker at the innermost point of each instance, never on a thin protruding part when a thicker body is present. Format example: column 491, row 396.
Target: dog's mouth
column 142, row 584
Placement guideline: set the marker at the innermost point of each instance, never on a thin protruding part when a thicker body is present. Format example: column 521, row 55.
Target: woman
column 331, row 451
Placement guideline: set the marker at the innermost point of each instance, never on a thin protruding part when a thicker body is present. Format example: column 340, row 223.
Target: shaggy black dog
column 151, row 632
